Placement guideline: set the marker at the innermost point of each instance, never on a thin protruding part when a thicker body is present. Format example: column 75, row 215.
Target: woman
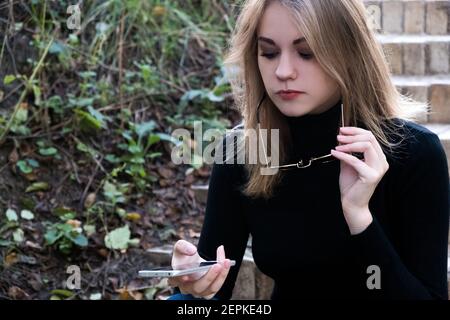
column 370, row 227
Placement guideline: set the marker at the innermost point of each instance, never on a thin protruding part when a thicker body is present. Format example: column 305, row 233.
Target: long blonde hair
column 345, row 46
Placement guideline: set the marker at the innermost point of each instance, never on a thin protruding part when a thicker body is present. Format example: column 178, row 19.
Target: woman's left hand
column 359, row 178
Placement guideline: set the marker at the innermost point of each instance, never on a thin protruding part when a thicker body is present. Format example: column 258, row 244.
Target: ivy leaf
column 48, row 151
column 18, row 235
column 11, row 215
column 37, row 186
column 8, row 79
column 118, row 238
column 27, row 215
column 24, row 167
column 79, row 240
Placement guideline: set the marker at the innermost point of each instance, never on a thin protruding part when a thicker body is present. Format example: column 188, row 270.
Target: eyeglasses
column 302, row 164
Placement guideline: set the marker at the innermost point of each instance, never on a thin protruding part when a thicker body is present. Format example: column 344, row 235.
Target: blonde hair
column 345, row 46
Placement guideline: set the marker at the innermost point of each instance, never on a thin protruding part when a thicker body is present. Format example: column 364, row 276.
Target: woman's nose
column 285, row 69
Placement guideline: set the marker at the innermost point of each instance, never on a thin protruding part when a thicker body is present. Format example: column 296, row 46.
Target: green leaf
column 168, row 138
column 33, row 163
column 57, row 47
column 21, row 115
column 212, row 97
column 11, row 215
column 24, row 167
column 48, row 151
column 118, row 238
column 95, row 296
column 89, row 229
column 112, row 158
column 27, row 215
column 37, row 186
column 18, row 235
column 87, row 121
column 80, row 240
column 82, row 102
column 152, row 139
column 87, row 74
column 143, row 128
column 68, row 216
column 62, row 292
column 37, row 95
column 97, row 115
column 5, row 243
column 8, row 79
column 52, row 235
column 112, row 193
column 134, row 242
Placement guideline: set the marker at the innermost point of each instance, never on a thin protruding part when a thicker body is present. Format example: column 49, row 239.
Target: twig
column 13, row 60
column 12, row 91
column 72, row 163
column 91, row 179
column 38, row 133
column 120, row 54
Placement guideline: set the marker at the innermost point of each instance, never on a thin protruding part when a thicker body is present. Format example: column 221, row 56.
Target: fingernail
column 190, row 249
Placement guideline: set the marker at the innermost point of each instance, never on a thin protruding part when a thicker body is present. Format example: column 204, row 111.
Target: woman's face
column 287, row 63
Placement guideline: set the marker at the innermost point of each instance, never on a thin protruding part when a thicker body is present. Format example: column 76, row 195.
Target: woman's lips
column 291, row 95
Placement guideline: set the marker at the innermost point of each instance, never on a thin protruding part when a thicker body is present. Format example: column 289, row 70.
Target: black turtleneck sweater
column 300, row 237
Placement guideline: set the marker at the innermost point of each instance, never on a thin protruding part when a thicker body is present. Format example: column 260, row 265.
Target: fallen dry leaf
column 13, row 156
column 90, row 200
column 15, row 292
column 74, row 223
column 133, row 216
column 165, row 173
column 10, row 259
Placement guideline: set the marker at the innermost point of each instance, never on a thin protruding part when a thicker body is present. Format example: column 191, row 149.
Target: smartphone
column 180, row 270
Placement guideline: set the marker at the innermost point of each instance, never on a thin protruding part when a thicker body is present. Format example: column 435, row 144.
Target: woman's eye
column 306, row 56
column 270, row 56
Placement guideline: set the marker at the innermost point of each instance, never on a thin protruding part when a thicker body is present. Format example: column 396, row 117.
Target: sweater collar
column 315, row 134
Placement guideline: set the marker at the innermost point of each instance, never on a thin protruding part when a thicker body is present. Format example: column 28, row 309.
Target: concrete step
column 410, row 17
column 417, row 54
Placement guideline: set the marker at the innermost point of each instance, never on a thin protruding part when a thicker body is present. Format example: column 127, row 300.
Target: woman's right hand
column 201, row 284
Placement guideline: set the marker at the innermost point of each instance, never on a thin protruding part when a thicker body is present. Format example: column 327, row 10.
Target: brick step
column 417, row 54
column 410, row 17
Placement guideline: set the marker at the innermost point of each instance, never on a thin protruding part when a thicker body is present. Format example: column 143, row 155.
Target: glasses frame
column 302, row 164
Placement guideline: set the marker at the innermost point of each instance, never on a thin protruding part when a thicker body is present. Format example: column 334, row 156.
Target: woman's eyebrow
column 270, row 41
